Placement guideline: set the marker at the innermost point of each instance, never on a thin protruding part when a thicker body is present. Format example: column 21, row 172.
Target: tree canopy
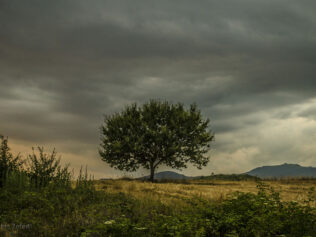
column 154, row 134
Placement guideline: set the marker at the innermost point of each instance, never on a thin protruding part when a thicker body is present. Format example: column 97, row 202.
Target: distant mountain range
column 285, row 170
column 276, row 171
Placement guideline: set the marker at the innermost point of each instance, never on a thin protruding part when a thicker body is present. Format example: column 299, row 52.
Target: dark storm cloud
column 65, row 63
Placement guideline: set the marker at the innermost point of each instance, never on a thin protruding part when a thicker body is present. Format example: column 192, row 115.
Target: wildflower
column 140, row 228
column 110, row 222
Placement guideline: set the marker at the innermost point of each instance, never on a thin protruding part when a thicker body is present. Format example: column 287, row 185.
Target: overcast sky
column 250, row 65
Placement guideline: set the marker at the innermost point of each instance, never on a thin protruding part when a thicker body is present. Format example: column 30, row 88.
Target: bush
column 262, row 214
column 8, row 163
column 44, row 168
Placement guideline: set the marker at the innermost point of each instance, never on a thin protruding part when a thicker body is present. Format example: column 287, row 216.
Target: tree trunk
column 152, row 173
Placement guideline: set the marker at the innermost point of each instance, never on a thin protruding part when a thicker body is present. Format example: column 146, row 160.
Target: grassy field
column 44, row 199
column 296, row 190
column 136, row 208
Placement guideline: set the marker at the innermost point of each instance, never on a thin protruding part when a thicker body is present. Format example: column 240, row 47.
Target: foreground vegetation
column 58, row 210
column 42, row 200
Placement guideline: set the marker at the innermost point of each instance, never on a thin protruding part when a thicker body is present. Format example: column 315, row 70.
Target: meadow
column 123, row 207
column 45, row 199
column 169, row 191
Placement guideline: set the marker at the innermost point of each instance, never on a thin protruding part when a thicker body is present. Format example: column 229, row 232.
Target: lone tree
column 156, row 133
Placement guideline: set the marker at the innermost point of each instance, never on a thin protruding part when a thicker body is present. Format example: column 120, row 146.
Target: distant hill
column 176, row 176
column 167, row 175
column 285, row 170
column 276, row 171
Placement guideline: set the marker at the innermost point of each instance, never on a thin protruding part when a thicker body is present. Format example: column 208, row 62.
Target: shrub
column 44, row 168
column 8, row 163
column 262, row 214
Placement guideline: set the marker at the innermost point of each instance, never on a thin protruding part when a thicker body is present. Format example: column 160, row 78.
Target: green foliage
column 8, row 163
column 83, row 211
column 154, row 134
column 55, row 209
column 262, row 214
column 244, row 214
column 43, row 168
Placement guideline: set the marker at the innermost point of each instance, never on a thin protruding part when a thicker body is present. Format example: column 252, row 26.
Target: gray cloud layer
column 249, row 65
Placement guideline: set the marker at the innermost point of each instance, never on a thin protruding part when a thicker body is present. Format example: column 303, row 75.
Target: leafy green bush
column 44, row 168
column 8, row 163
column 262, row 214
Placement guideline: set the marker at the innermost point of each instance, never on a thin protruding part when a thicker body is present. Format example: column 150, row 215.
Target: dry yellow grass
column 290, row 190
